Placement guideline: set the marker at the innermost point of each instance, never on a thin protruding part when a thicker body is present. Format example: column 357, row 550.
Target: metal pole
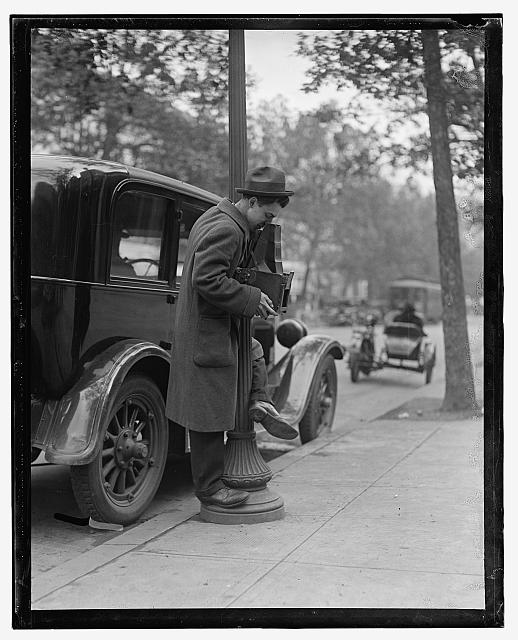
column 238, row 161
column 238, row 166
column 244, row 466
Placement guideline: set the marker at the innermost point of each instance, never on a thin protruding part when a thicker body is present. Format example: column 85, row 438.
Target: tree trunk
column 312, row 247
column 460, row 392
column 303, row 291
column 112, row 123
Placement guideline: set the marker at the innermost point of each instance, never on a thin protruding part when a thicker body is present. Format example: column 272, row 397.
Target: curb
column 110, row 550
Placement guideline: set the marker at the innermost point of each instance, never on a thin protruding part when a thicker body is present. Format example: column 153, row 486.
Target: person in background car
column 408, row 314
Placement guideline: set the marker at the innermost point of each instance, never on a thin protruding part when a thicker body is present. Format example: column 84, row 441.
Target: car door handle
column 171, row 299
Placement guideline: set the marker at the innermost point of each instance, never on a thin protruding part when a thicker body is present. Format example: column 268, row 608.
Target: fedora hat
column 265, row 181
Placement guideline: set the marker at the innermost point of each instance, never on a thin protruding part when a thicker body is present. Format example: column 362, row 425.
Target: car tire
column 120, row 483
column 322, row 401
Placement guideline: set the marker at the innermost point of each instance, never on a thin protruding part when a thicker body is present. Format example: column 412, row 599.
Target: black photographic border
column 25, row 618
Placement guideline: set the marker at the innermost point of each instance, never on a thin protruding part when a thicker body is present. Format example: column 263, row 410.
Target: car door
column 138, row 298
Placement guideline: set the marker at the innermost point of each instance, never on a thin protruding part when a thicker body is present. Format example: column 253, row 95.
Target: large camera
column 264, row 270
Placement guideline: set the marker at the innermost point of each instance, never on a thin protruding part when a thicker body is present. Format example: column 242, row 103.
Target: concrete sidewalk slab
column 388, row 514
column 360, row 457
column 149, row 580
column 269, row 542
column 323, row 500
column 398, row 531
column 314, row 586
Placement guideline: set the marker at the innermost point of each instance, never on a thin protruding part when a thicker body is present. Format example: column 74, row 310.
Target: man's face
column 259, row 214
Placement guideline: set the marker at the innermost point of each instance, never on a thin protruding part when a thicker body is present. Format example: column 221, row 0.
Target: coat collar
column 227, row 207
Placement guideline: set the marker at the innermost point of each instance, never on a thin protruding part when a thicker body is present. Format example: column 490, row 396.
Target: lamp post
column 244, row 466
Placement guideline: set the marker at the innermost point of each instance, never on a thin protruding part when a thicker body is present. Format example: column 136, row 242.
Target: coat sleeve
column 212, row 263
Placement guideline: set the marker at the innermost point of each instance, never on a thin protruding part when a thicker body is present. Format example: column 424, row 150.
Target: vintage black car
column 107, row 246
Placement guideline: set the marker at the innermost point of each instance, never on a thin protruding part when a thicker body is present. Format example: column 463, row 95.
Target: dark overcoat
column 202, row 390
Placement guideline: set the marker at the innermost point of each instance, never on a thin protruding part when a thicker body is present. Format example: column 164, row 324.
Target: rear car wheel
column 119, row 484
column 322, row 401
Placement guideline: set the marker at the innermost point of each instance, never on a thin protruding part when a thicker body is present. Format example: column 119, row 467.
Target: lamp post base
column 262, row 506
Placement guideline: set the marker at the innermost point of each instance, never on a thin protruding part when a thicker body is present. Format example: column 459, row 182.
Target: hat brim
column 252, row 192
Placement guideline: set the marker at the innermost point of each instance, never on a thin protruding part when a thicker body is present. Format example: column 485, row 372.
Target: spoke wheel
column 322, row 402
column 118, row 485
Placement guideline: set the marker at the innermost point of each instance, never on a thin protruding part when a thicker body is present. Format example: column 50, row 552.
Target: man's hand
column 265, row 307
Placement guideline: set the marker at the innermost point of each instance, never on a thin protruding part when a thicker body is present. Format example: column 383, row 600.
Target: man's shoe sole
column 275, row 427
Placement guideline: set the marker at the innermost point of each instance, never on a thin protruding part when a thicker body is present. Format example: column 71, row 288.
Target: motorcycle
column 362, row 350
column 403, row 345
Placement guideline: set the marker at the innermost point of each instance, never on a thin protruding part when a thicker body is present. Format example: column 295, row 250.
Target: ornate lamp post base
column 245, row 469
column 262, row 506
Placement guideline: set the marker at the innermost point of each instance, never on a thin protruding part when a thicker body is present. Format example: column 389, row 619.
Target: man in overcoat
column 202, row 391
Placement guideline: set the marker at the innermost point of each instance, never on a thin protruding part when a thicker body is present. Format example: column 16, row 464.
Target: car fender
column 297, row 370
column 69, row 427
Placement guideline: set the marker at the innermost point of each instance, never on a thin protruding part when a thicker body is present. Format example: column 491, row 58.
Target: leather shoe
column 226, row 497
column 270, row 418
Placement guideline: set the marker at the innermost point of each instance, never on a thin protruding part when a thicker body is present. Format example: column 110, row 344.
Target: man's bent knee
column 257, row 350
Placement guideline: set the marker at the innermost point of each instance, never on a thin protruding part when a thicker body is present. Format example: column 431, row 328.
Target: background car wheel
column 119, row 484
column 322, row 401
column 354, row 366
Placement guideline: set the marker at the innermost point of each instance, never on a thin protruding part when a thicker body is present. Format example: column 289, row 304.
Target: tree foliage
column 344, row 218
column 411, row 73
column 387, row 66
column 158, row 99
column 150, row 98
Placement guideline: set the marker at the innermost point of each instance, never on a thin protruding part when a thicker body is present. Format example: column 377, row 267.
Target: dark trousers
column 207, row 461
column 208, row 448
column 258, row 390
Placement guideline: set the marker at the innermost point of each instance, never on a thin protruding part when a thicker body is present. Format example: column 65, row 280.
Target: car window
column 191, row 210
column 138, row 236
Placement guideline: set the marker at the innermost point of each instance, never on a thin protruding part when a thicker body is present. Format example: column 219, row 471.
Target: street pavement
column 378, row 514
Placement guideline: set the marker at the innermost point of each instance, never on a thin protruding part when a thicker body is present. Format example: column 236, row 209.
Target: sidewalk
column 388, row 514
